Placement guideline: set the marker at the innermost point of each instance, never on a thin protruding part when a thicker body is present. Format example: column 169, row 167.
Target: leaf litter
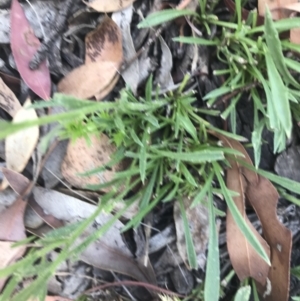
column 107, row 47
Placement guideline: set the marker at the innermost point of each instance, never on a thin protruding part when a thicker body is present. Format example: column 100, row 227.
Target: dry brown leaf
column 245, row 260
column 104, row 44
column 198, row 221
column 89, row 80
column 277, row 7
column 8, row 100
column 20, row 146
column 104, row 55
column 264, row 198
column 108, row 5
column 81, row 157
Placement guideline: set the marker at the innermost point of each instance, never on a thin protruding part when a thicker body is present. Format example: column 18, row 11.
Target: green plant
column 169, row 145
column 254, row 61
column 172, row 154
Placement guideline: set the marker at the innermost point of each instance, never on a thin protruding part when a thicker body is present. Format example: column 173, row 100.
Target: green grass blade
column 194, row 40
column 149, row 189
column 243, row 294
column 203, row 191
column 191, row 253
column 281, row 181
column 212, row 277
column 279, row 93
column 275, row 49
column 195, row 157
column 163, row 16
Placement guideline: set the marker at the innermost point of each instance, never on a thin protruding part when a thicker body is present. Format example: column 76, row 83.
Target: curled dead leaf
column 80, row 158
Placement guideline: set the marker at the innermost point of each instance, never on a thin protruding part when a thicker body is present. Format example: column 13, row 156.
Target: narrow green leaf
column 143, row 156
column 212, row 276
column 217, row 92
column 284, row 182
column 191, row 253
column 194, row 40
column 274, row 121
column 188, row 176
column 238, row 11
column 187, row 125
column 254, row 290
column 163, row 16
column 238, row 217
column 275, row 50
column 280, row 98
column 231, row 106
column 170, row 196
column 204, row 190
column 243, row 294
column 148, row 90
column 149, row 190
column 141, row 214
column 293, row 64
column 195, row 157
column 256, row 141
column 280, row 25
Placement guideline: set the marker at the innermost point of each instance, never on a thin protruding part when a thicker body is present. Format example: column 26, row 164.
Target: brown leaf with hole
column 8, row 100
column 81, row 157
column 108, row 5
